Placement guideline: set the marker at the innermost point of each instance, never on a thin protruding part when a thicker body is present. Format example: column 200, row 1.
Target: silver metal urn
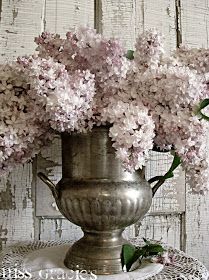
column 99, row 196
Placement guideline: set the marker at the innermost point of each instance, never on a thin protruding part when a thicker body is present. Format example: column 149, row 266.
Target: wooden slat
column 195, row 22
column 160, row 15
column 126, row 19
column 16, row 207
column 20, row 22
column 162, row 227
column 171, row 195
column 61, row 15
column 159, row 227
column 117, row 19
column 56, row 229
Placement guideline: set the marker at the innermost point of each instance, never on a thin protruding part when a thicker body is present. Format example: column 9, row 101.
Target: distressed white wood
column 158, row 14
column 56, row 229
column 171, row 195
column 16, row 206
column 195, row 22
column 117, row 19
column 61, row 15
column 20, row 22
column 161, row 15
column 126, row 19
column 161, row 227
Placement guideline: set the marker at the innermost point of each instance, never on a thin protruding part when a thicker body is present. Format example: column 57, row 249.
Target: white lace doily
column 32, row 256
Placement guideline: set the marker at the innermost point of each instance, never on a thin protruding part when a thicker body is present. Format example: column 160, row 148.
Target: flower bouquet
column 148, row 100
column 142, row 99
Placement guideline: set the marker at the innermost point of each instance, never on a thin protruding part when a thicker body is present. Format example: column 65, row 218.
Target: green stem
column 157, row 186
column 169, row 174
column 154, row 179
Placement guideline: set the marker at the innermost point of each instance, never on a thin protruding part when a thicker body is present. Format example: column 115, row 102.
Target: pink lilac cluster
column 132, row 132
column 21, row 133
column 85, row 49
column 38, row 97
column 172, row 94
column 85, row 80
column 166, row 258
column 149, row 50
column 172, row 91
column 194, row 58
column 65, row 101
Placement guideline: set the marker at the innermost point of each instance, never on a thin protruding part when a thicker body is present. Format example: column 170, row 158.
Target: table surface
column 184, row 267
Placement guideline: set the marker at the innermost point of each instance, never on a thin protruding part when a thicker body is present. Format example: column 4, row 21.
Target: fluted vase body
column 96, row 194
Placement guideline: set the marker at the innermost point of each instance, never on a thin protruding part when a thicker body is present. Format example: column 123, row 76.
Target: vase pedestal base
column 97, row 252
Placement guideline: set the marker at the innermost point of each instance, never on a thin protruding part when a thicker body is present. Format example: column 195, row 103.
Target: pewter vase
column 96, row 194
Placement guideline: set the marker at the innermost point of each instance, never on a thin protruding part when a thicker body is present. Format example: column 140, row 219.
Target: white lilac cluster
column 85, row 80
column 177, row 127
column 85, row 49
column 194, row 58
column 65, row 101
column 132, row 132
column 166, row 258
column 21, row 133
column 149, row 50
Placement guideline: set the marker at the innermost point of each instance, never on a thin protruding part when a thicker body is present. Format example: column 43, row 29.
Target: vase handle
column 49, row 183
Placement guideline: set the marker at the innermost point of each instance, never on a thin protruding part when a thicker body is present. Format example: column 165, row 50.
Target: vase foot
column 97, row 252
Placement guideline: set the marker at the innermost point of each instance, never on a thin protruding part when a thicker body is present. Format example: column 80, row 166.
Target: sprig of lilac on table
column 150, row 100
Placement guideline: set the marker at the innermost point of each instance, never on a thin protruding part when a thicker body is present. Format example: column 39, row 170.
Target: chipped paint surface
column 20, row 23
column 16, row 220
column 14, row 15
column 7, row 197
column 27, row 207
column 54, row 229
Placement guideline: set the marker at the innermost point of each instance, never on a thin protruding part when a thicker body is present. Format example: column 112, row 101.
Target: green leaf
column 202, row 105
column 154, row 248
column 130, row 54
column 131, row 254
column 128, row 252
